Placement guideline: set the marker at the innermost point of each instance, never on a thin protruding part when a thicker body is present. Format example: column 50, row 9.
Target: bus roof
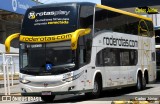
column 93, row 4
column 64, row 4
column 123, row 12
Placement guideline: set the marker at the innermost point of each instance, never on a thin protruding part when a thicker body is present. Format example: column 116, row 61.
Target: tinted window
column 116, row 57
column 153, row 56
column 117, row 22
column 86, row 16
column 128, row 57
column 85, row 42
column 133, row 57
column 124, row 57
column 110, row 56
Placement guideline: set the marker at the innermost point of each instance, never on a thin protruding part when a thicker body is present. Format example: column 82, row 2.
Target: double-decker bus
column 70, row 48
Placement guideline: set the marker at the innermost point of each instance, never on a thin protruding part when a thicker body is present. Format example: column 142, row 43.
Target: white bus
column 71, row 48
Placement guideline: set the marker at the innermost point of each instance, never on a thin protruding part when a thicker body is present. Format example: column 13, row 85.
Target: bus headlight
column 24, row 81
column 68, row 77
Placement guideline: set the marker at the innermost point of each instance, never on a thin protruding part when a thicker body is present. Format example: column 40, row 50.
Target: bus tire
column 144, row 83
column 96, row 90
column 139, row 83
column 48, row 98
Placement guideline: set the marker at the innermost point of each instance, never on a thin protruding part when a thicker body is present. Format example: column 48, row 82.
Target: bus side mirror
column 76, row 35
column 8, row 41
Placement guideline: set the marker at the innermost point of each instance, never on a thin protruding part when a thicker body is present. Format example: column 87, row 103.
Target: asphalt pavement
column 152, row 90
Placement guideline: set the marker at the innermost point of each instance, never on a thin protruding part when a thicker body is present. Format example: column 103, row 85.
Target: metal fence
column 9, row 66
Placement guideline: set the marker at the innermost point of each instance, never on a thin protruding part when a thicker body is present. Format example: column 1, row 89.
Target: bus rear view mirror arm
column 76, row 35
column 8, row 41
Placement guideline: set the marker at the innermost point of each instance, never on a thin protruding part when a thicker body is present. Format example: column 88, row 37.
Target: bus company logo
column 53, row 13
column 112, row 41
column 32, row 15
column 14, row 5
column 45, row 38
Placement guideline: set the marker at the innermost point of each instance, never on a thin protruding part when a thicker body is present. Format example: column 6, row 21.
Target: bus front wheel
column 96, row 90
column 48, row 98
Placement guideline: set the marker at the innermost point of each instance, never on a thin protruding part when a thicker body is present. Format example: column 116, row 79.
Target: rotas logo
column 32, row 15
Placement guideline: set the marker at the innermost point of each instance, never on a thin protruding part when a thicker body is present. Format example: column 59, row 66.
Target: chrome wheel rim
column 95, row 89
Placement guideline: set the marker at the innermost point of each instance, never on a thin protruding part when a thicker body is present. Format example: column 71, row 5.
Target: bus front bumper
column 68, row 87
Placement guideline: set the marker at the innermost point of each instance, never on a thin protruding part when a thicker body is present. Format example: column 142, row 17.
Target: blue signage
column 48, row 67
column 17, row 6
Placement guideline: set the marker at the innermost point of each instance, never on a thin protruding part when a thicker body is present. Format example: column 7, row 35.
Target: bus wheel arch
column 97, row 86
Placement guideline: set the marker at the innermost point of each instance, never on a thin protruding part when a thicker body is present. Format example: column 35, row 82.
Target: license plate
column 46, row 93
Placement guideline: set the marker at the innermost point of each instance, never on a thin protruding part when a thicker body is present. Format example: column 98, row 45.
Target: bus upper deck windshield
column 50, row 20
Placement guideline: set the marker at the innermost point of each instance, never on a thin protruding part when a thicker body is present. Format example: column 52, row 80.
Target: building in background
column 11, row 15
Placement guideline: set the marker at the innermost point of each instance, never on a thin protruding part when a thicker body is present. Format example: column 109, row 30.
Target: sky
column 58, row 1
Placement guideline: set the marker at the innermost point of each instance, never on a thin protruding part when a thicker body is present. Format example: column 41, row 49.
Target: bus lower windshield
column 51, row 58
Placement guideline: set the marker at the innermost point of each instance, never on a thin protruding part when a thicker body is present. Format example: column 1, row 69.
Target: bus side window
column 153, row 56
column 81, row 51
column 99, row 59
column 81, row 56
column 85, row 42
column 107, row 57
column 128, row 57
column 124, row 57
column 133, row 57
column 86, row 16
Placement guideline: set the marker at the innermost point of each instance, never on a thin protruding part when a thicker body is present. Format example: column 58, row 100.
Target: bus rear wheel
column 48, row 98
column 144, row 83
column 96, row 90
column 139, row 83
